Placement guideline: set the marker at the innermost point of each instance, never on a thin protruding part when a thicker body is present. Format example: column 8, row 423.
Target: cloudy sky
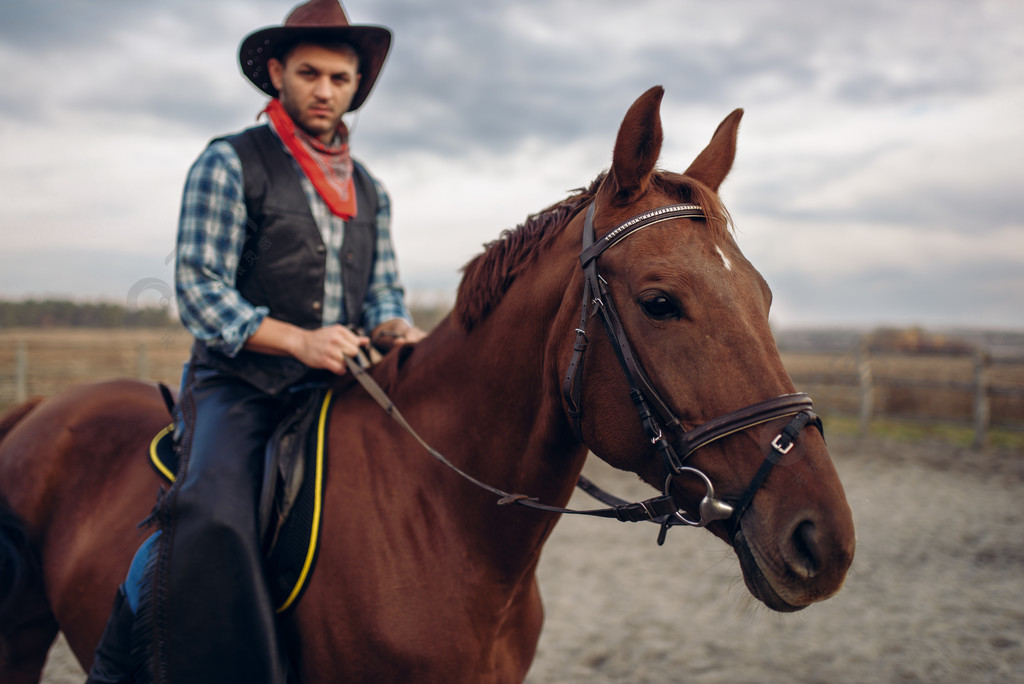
column 878, row 180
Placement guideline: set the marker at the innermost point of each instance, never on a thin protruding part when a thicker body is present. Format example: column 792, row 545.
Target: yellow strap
column 154, row 457
column 317, row 503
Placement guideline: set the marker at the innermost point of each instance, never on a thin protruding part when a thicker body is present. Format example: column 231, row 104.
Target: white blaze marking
column 725, row 259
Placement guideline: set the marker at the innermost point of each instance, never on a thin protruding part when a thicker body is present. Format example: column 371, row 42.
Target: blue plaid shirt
column 211, row 237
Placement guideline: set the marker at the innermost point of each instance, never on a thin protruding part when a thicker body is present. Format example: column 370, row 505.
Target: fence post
column 143, row 362
column 866, row 387
column 20, row 373
column 982, row 408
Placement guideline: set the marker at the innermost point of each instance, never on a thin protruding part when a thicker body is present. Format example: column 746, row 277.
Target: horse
column 421, row 575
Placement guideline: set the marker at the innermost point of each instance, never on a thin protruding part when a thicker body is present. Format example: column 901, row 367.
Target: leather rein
column 661, row 509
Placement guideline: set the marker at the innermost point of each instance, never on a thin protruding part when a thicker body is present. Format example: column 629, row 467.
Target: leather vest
column 283, row 262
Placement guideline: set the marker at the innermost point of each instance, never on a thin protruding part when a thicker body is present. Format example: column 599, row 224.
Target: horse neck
column 489, row 399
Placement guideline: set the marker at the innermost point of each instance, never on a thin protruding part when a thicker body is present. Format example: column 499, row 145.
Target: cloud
column 80, row 273
column 870, row 273
column 966, row 295
column 880, row 145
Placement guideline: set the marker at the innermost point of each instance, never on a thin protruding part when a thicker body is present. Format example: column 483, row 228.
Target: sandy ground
column 936, row 593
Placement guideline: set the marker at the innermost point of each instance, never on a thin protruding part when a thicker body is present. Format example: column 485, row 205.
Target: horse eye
column 660, row 307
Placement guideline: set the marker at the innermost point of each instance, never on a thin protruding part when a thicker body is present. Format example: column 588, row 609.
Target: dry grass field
column 911, row 386
column 57, row 358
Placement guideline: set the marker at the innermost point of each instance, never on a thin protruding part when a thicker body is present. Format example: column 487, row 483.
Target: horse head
column 684, row 343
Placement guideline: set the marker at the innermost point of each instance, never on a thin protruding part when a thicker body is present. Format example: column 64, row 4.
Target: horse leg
column 24, row 645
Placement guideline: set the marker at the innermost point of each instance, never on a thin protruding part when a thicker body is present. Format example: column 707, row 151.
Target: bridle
column 662, row 509
column 597, row 300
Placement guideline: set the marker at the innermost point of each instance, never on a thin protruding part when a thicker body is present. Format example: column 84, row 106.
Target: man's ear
column 275, row 69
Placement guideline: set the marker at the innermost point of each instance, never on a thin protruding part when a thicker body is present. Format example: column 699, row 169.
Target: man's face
column 315, row 85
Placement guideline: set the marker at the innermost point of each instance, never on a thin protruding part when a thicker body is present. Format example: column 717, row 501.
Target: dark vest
column 283, row 263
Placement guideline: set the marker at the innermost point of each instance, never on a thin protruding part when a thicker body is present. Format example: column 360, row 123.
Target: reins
column 662, row 509
column 648, row 510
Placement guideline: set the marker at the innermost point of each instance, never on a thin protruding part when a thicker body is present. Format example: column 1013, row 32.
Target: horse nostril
column 802, row 552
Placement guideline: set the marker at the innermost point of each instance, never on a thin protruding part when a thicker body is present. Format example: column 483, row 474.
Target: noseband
column 655, row 413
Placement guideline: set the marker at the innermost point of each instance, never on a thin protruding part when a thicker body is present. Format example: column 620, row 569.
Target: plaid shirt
column 211, row 237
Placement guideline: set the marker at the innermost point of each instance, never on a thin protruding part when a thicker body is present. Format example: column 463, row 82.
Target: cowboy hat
column 316, row 20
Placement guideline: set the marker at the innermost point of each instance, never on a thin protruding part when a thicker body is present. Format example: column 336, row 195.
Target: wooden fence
column 42, row 363
column 977, row 389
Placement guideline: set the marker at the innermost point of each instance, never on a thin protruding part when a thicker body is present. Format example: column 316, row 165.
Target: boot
column 113, row 660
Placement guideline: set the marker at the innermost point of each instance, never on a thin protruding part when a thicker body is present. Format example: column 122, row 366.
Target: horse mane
column 488, row 276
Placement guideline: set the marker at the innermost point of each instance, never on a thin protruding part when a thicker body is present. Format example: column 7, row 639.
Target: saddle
column 291, row 501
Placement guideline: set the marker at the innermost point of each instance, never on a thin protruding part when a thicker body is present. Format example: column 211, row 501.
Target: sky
column 878, row 179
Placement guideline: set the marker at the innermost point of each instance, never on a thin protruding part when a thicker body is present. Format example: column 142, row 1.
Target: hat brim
column 371, row 42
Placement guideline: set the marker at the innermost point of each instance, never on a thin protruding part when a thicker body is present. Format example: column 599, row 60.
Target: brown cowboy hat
column 316, row 20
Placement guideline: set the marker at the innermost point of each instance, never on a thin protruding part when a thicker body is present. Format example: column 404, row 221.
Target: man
column 284, row 242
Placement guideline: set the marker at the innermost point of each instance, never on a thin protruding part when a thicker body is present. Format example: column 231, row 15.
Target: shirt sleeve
column 385, row 297
column 211, row 237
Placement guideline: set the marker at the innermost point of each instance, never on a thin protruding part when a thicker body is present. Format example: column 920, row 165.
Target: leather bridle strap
column 781, row 445
column 594, row 248
column 746, row 417
column 595, row 295
column 597, row 299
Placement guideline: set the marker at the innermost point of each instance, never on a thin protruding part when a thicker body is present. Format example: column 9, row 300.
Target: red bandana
column 328, row 167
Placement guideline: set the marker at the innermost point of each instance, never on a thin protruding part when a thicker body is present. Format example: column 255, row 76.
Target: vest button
column 316, row 306
column 320, row 249
column 349, row 257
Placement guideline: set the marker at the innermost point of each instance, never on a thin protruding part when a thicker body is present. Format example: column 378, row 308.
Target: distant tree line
column 56, row 313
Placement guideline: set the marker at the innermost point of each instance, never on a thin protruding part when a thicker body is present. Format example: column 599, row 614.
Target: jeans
column 211, row 615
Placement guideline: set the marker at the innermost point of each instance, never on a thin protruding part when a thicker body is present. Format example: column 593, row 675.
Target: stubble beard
column 315, row 128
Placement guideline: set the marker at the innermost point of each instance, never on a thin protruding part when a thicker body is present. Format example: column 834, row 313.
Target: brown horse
column 421, row 576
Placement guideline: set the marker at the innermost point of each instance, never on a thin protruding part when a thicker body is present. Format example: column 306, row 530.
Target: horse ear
column 712, row 165
column 637, row 146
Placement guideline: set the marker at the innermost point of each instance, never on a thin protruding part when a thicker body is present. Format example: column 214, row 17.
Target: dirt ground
column 936, row 592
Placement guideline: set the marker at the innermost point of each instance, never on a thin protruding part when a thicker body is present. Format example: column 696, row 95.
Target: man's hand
column 395, row 333
column 327, row 347
column 324, row 347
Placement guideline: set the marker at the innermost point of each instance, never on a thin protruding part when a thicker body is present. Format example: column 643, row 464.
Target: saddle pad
column 295, row 539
